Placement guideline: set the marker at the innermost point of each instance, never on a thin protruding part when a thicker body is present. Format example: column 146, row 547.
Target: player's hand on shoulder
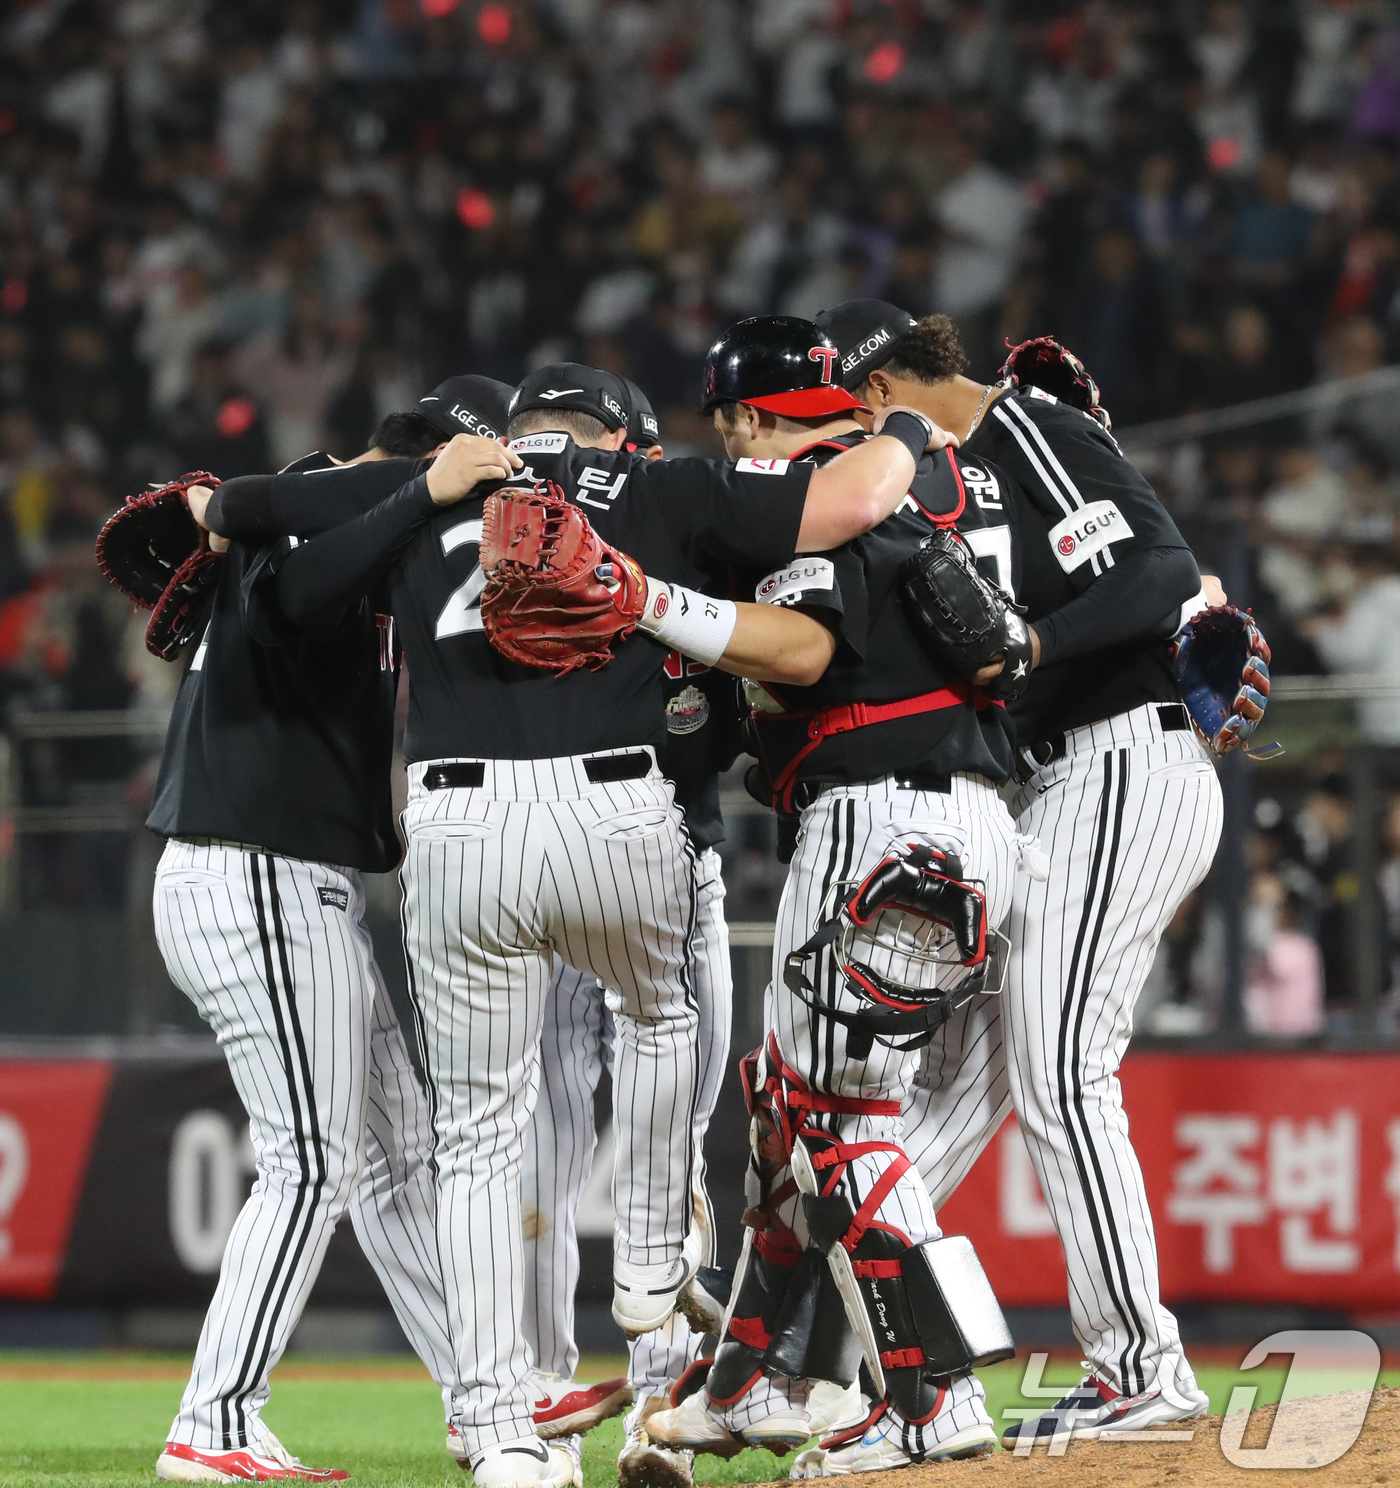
column 465, row 462
column 939, row 438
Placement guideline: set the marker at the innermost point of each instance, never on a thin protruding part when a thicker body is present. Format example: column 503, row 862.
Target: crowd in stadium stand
column 232, row 232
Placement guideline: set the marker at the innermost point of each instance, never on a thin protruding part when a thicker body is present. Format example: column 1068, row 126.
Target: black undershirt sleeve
column 241, row 510
column 1127, row 603
column 321, row 576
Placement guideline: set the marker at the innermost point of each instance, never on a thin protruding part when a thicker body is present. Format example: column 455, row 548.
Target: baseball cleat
column 267, row 1462
column 690, row 1427
column 566, row 1408
column 643, row 1463
column 832, row 1407
column 1096, row 1408
column 704, row 1299
column 883, row 1455
column 959, row 1428
column 563, row 1408
column 525, row 1463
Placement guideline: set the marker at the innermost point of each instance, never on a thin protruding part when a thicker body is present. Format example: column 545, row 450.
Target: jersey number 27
column 462, row 612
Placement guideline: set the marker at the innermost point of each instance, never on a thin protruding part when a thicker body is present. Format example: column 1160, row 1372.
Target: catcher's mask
column 1042, row 362
column 942, row 923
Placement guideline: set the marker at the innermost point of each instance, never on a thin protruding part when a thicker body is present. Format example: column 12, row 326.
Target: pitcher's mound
column 1314, row 1429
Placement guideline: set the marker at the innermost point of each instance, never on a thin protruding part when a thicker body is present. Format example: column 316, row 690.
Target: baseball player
column 538, row 822
column 1121, row 794
column 891, row 766
column 701, row 739
column 273, row 796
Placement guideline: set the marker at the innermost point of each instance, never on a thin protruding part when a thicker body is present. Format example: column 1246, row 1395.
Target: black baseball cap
column 778, row 362
column 572, row 385
column 866, row 333
column 643, row 431
column 468, row 405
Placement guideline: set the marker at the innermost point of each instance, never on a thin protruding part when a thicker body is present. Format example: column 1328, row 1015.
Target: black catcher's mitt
column 1045, row 364
column 148, row 537
column 966, row 622
column 155, row 552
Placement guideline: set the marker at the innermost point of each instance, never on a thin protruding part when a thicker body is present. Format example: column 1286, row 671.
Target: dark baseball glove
column 148, row 538
column 1222, row 668
column 1045, row 364
column 155, row 552
column 964, row 621
column 556, row 595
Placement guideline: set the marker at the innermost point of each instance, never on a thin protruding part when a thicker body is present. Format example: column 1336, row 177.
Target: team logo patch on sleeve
column 807, row 579
column 334, row 898
column 762, row 467
column 1086, row 532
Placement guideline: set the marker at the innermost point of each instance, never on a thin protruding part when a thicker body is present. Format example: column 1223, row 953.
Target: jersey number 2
column 462, row 612
column 993, row 543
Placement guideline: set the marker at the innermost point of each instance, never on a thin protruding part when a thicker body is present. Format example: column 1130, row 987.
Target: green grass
column 387, row 1432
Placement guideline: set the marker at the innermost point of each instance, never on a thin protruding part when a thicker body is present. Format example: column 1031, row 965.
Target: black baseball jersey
column 1100, row 561
column 679, row 519
column 879, row 658
column 702, row 739
column 283, row 739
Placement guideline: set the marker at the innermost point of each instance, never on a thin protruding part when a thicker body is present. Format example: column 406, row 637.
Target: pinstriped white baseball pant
column 275, row 955
column 843, row 835
column 1130, row 820
column 497, row 880
column 576, row 1045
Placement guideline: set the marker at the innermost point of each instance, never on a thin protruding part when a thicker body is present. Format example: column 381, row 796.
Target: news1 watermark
column 1332, row 1374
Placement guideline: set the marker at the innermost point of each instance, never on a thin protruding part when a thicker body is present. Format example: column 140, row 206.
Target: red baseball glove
column 556, row 597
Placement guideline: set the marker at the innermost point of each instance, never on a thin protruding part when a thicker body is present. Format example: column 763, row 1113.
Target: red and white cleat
column 566, row 1408
column 267, row 1462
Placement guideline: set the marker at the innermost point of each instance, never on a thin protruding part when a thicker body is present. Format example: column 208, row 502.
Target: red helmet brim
column 810, row 402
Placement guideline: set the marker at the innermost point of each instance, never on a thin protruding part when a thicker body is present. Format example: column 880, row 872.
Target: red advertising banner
column 1272, row 1178
column 49, row 1111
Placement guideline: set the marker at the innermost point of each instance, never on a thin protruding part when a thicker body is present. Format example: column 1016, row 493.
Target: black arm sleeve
column 321, row 576
column 241, row 510
column 1127, row 602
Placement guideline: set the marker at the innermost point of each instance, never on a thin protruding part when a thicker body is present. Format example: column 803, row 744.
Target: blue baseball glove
column 1222, row 668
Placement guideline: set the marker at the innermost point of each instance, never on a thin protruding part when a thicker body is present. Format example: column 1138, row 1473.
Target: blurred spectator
column 296, row 376
column 1283, row 995
column 216, row 426
column 982, row 214
column 1358, row 639
column 1116, row 312
column 1305, row 505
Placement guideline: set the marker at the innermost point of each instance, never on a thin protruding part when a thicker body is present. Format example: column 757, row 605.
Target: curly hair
column 931, row 352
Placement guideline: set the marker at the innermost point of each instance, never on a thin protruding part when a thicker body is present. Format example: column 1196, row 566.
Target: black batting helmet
column 777, row 362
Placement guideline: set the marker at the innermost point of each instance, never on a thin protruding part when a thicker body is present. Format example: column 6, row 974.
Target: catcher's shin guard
column 928, row 1309
column 771, row 1250
column 920, row 1312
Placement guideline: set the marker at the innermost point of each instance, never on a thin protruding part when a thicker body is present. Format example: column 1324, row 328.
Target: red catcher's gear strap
column 877, row 1270
column 750, row 1331
column 909, row 1358
column 824, row 723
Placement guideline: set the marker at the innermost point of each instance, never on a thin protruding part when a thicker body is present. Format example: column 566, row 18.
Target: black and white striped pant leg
column 657, row 1359
column 625, row 910
column 394, row 1208
column 559, row 1161
column 1129, row 831
column 265, row 948
column 481, row 965
column 959, row 1097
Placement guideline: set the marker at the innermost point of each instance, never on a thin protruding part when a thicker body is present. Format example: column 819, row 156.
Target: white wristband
column 693, row 624
column 1192, row 608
